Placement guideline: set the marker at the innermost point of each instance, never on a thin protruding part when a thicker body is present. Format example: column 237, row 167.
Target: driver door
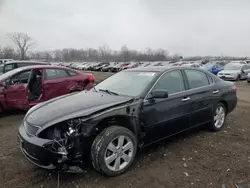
column 16, row 91
column 167, row 116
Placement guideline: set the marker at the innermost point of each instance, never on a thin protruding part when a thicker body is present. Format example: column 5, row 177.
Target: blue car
column 214, row 67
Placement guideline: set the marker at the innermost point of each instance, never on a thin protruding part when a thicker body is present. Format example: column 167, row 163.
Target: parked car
column 99, row 67
column 93, row 65
column 25, row 87
column 214, row 67
column 235, row 71
column 10, row 65
column 128, row 110
column 130, row 66
column 248, row 78
column 109, row 67
column 117, row 67
column 5, row 60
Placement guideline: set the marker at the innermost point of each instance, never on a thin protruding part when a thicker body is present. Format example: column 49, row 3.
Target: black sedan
column 127, row 111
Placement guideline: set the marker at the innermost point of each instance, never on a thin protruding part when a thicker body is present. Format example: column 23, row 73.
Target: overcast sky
column 189, row 27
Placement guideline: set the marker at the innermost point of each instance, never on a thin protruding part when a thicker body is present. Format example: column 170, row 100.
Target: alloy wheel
column 219, row 117
column 119, row 153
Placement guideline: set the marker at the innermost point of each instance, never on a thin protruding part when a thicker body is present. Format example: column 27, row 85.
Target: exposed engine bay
column 66, row 141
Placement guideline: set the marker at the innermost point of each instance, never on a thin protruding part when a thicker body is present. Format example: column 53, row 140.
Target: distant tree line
column 104, row 53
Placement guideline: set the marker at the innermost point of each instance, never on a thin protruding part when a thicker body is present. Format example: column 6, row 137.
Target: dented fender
column 130, row 111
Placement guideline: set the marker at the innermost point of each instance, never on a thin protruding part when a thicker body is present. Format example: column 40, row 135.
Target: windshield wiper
column 108, row 91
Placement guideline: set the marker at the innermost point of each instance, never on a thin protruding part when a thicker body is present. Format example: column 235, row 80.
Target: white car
column 234, row 71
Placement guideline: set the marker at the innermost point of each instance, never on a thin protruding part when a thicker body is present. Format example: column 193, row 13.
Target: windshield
column 233, row 67
column 130, row 83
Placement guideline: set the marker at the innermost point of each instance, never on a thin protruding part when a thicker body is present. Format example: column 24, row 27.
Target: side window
column 210, row 79
column 196, row 78
column 172, row 82
column 8, row 67
column 21, row 78
column 55, row 73
column 71, row 73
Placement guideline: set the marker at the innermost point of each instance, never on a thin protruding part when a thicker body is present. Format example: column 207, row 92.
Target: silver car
column 235, row 71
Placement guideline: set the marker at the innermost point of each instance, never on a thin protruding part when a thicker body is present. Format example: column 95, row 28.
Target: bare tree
column 8, row 53
column 23, row 43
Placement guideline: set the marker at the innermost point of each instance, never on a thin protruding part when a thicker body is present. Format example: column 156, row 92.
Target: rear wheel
column 219, row 117
column 113, row 150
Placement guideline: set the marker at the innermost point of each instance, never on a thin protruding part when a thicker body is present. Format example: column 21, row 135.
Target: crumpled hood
column 230, row 71
column 70, row 106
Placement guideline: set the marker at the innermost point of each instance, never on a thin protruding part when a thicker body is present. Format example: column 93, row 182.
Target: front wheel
column 219, row 117
column 113, row 150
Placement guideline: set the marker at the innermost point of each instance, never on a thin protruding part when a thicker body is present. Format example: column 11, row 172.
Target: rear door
column 16, row 95
column 167, row 116
column 56, row 82
column 201, row 92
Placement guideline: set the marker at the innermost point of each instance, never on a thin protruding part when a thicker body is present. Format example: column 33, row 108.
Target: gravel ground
column 197, row 158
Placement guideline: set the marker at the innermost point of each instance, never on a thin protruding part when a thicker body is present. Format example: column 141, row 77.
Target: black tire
column 213, row 126
column 100, row 145
column 238, row 78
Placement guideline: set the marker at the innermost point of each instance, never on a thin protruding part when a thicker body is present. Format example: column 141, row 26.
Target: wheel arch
column 129, row 122
column 224, row 102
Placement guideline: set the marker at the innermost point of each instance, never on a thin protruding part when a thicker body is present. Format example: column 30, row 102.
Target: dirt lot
column 197, row 158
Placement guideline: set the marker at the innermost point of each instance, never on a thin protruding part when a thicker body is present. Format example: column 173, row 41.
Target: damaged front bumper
column 36, row 150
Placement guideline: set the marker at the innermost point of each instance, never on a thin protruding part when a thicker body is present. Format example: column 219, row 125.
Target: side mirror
column 242, row 71
column 159, row 93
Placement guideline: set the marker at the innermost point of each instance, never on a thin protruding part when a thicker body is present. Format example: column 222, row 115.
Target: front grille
column 30, row 129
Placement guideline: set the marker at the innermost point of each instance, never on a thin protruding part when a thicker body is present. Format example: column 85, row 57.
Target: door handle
column 185, row 99
column 215, row 91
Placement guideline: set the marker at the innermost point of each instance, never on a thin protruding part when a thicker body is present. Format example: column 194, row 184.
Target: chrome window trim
column 145, row 99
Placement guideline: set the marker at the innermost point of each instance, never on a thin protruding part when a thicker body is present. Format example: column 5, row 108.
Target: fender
column 129, row 112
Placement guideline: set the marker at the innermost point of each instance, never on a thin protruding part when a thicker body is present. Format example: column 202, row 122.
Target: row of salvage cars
column 118, row 66
column 109, row 122
column 227, row 70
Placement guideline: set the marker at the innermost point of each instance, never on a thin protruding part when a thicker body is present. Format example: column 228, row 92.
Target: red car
column 130, row 66
column 25, row 87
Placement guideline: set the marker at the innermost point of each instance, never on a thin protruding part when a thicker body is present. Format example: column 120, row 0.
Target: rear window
column 196, row 78
column 51, row 74
column 72, row 73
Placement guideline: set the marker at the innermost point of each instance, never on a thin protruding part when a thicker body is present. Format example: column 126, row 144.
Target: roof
column 153, row 68
column 9, row 62
column 43, row 66
column 163, row 68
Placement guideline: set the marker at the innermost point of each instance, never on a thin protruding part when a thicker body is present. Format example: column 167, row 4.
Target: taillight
column 91, row 78
column 234, row 88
